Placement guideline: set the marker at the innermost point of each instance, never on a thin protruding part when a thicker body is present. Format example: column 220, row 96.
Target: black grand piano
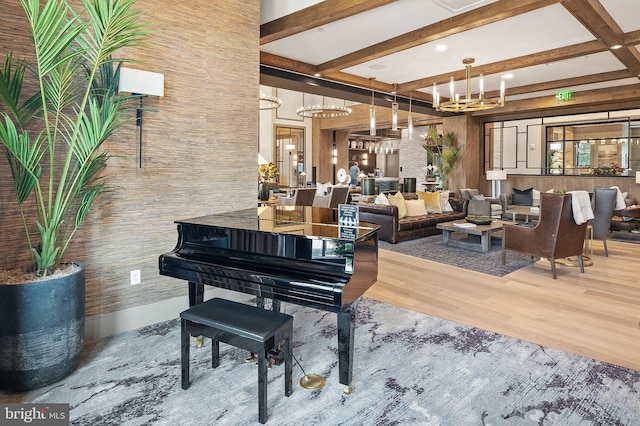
column 285, row 253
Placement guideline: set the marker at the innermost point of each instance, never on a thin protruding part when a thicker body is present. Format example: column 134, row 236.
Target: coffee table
column 484, row 231
column 525, row 211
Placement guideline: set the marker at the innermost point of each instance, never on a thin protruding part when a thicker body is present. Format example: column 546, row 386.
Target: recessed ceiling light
column 441, row 48
column 377, row 66
column 616, row 46
column 317, row 74
column 507, row 76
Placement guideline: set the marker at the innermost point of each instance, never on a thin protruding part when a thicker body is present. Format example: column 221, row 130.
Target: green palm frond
column 11, row 90
column 77, row 108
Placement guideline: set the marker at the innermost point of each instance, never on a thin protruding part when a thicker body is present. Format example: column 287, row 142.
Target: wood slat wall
column 199, row 148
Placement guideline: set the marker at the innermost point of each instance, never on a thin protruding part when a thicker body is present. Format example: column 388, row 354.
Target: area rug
column 409, row 369
column 431, row 248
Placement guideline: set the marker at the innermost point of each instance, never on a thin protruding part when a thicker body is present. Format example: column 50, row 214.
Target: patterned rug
column 409, row 369
column 431, row 248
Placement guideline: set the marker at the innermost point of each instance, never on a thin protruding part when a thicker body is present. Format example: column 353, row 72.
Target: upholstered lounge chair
column 301, row 197
column 479, row 208
column 603, row 204
column 337, row 195
column 555, row 236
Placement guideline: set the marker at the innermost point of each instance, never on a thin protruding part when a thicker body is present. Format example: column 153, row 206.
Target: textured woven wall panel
column 199, row 145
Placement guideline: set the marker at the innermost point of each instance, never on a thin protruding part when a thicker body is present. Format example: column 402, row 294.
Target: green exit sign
column 564, row 95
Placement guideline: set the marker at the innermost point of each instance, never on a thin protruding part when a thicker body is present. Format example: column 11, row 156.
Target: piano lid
column 297, row 220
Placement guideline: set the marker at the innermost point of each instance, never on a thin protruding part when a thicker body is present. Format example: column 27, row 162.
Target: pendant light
column 372, row 111
column 410, row 120
column 394, row 109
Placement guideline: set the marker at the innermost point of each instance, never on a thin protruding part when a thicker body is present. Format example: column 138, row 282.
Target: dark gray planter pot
column 41, row 331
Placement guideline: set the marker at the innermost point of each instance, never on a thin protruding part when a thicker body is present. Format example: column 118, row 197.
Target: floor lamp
column 495, row 176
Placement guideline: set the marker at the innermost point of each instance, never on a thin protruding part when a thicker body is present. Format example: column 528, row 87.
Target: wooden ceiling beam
column 595, row 18
column 540, row 58
column 493, row 12
column 564, row 83
column 315, row 16
column 587, row 98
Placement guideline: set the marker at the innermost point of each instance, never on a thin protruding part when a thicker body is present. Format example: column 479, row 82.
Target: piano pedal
column 197, row 340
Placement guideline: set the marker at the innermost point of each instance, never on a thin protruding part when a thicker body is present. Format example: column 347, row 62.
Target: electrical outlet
column 135, row 277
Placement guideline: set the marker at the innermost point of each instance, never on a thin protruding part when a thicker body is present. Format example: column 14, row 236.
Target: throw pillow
column 478, row 197
column 431, row 201
column 415, row 208
column 522, row 197
column 323, row 188
column 398, row 200
column 381, row 199
column 536, row 198
column 444, row 202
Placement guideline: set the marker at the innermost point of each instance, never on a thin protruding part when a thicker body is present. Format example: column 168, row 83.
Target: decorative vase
column 263, row 191
column 41, row 330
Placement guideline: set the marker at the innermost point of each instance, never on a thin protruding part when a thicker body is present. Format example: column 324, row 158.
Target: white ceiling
column 545, row 28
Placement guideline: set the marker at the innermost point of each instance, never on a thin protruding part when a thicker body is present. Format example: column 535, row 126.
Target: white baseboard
column 141, row 316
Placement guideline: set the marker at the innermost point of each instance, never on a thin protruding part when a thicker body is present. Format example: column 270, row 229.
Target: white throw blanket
column 620, row 204
column 581, row 204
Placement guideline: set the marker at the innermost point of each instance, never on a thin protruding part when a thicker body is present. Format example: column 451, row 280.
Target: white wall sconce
column 142, row 84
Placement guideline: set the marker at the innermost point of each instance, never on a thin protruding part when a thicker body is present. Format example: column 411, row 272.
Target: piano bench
column 243, row 326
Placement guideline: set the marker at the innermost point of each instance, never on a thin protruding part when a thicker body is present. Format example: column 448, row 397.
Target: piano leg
column 196, row 293
column 346, row 331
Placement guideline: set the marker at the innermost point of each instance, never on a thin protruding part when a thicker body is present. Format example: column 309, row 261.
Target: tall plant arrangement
column 442, row 153
column 53, row 138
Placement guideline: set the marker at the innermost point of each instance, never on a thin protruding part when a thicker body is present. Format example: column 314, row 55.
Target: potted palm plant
column 442, row 153
column 53, row 141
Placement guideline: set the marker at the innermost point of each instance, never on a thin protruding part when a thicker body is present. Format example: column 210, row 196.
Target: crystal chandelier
column 468, row 103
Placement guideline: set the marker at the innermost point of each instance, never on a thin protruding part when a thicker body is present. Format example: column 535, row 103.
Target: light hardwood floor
column 595, row 314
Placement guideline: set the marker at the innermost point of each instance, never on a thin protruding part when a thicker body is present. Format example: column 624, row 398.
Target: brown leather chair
column 301, row 197
column 555, row 236
column 603, row 204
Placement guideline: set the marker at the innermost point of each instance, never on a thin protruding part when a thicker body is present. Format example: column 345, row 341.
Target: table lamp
column 495, row 176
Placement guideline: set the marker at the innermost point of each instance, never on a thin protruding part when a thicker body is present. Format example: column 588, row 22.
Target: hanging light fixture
column 468, row 103
column 372, row 111
column 269, row 101
column 316, row 108
column 394, row 109
column 410, row 120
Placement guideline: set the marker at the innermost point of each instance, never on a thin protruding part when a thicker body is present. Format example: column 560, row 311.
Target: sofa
column 393, row 229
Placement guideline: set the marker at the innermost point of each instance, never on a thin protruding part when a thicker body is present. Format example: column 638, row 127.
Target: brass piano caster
column 347, row 389
column 197, row 340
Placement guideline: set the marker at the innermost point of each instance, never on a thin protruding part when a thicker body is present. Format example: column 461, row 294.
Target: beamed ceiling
column 547, row 46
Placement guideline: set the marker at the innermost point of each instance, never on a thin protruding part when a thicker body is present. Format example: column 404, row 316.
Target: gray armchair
column 301, row 197
column 555, row 236
column 496, row 206
column 603, row 204
column 337, row 195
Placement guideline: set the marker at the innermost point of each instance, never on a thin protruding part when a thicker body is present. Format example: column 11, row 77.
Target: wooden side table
column 619, row 223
